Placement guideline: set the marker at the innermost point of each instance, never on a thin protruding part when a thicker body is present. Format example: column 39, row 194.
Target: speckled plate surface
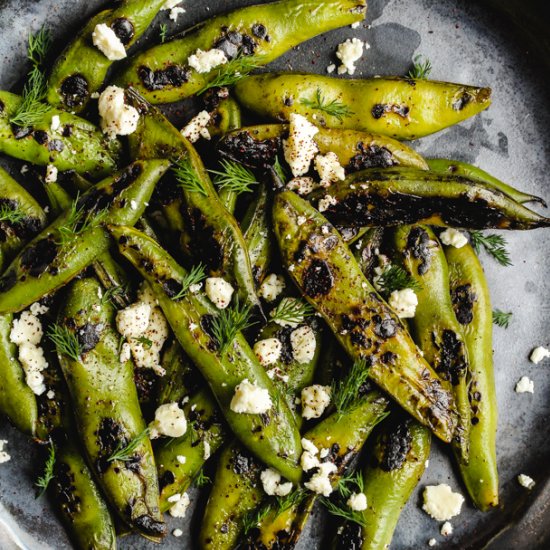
column 469, row 42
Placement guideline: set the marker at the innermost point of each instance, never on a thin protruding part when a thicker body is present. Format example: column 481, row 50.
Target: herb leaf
column 254, row 517
column 233, row 71
column 116, row 295
column 280, row 171
column 394, row 277
column 294, row 498
column 194, row 277
column 234, row 177
column 66, row 341
column 38, row 46
column 124, row 453
column 44, row 480
column 345, row 392
column 501, row 318
column 343, row 511
column 291, row 312
column 188, row 178
column 163, row 29
column 78, row 221
column 421, row 69
column 333, row 108
column 350, row 484
column 11, row 215
column 229, row 322
column 494, row 245
column 201, row 480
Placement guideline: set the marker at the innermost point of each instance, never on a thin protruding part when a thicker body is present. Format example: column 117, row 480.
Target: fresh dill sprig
column 162, row 32
column 351, row 483
column 235, row 177
column 394, row 277
column 38, row 46
column 124, row 453
column 66, row 341
column 145, row 342
column 254, row 517
column 78, row 221
column 293, row 498
column 201, row 480
column 502, row 318
column 421, row 68
column 194, row 277
column 44, row 480
column 115, row 295
column 343, row 511
column 291, row 312
column 333, row 108
column 11, row 215
column 494, row 245
column 229, row 322
column 188, row 178
column 233, row 71
column 279, row 169
column 345, row 392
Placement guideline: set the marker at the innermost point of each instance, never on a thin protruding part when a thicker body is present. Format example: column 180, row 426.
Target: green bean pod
column 324, row 269
column 472, row 303
column 257, row 34
column 225, row 113
column 50, row 260
column 105, row 422
column 81, row 68
column 402, row 108
column 365, row 249
column 77, row 145
column 395, row 463
column 398, row 196
column 275, row 441
column 434, row 326
column 473, row 172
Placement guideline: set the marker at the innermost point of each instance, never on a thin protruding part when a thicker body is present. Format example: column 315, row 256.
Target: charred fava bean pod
column 365, row 249
column 472, row 304
column 225, row 113
column 76, row 145
column 258, row 146
column 324, row 269
column 243, row 39
column 81, row 68
column 434, row 326
column 270, row 434
column 75, row 239
column 395, row 464
column 473, row 172
column 111, row 429
column 401, row 108
column 403, row 196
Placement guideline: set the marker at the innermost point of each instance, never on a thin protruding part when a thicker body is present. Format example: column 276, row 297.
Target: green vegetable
column 502, row 318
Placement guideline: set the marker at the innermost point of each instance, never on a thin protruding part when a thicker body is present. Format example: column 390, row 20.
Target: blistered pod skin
column 105, row 422
column 81, row 68
column 472, row 304
column 324, row 269
column 48, row 261
column 434, row 326
column 261, row 33
column 401, row 108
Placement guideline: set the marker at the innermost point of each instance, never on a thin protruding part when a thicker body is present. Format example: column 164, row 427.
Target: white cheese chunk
column 326, row 202
column 453, row 237
column 108, row 43
column 308, row 445
column 206, row 450
column 271, row 287
column 4, row 456
column 271, row 482
column 181, row 459
column 250, row 399
column 300, row 147
column 331, row 68
column 525, row 385
column 26, row 330
column 268, row 351
column 357, row 502
column 526, row 481
column 432, row 542
column 169, row 420
column 51, row 174
column 175, row 13
column 132, row 321
column 303, row 185
column 177, row 533
column 205, row 61
column 303, row 344
column 315, row 399
column 219, row 291
column 197, row 127
column 320, row 481
column 404, row 303
column 308, row 461
column 329, row 168
column 125, row 353
column 441, row 503
column 55, row 123
column 446, row 529
column 117, row 118
column 179, row 509
column 348, row 53
column 539, row 354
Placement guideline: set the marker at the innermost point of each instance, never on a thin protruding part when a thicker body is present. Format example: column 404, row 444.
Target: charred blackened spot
column 110, row 435
column 256, row 153
column 89, row 336
column 380, row 109
column 350, row 538
column 207, row 325
column 166, row 192
column 40, row 137
column 56, row 145
column 146, row 265
column 234, row 44
column 384, row 328
column 36, row 258
column 66, row 490
column 124, row 29
column 23, row 228
column 359, row 339
column 288, row 101
column 318, row 279
column 418, row 244
column 167, row 478
column 283, row 335
column 451, row 364
column 67, row 130
column 74, row 90
column 171, row 287
column 396, row 444
column 150, row 526
column 146, row 381
column 122, row 240
column 260, row 31
column 203, row 243
column 301, row 251
column 213, row 97
column 2, row 107
column 371, row 156
column 464, row 298
column 461, row 101
column 388, row 358
column 20, row 132
column 173, row 75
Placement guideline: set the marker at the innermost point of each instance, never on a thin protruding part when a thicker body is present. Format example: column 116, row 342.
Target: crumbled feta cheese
column 51, row 174
column 525, row 385
column 538, row 354
column 219, row 291
column 441, row 503
column 357, row 502
column 133, row 205
column 301, row 220
column 4, row 456
column 132, row 321
column 250, row 399
column 271, row 287
column 33, row 362
column 50, row 395
column 26, row 330
column 308, row 445
column 177, row 533
column 204, row 62
column 117, row 118
column 432, row 542
column 355, row 25
column 404, row 303
column 303, row 185
column 303, row 344
column 308, row 461
column 453, row 237
column 147, row 348
column 193, row 289
column 300, row 147
column 268, row 351
column 196, row 127
column 315, row 399
column 324, row 453
column 348, row 53
column 206, row 450
column 526, row 481
column 173, row 498
column 326, row 202
column 329, row 168
column 179, row 509
column 55, row 123
column 271, row 482
column 331, row 68
column 175, row 12
column 181, row 459
column 170, row 420
column 320, row 481
column 108, row 43
column 446, row 529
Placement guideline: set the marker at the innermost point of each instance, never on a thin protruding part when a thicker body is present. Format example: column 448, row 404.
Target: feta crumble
column 108, row 43
column 181, row 459
column 175, row 13
column 250, row 399
column 441, row 503
column 348, row 53
column 4, row 456
column 331, row 68
column 219, row 291
column 308, row 445
column 526, row 481
column 271, row 287
column 308, row 461
column 404, row 303
column 453, row 237
column 197, row 127
column 326, row 202
column 206, row 452
column 303, row 344
column 169, row 421
column 268, row 351
column 300, row 147
column 357, row 502
column 320, row 481
column 205, row 61
column 315, row 399
column 432, row 542
column 51, row 174
column 271, row 482
column 525, row 385
column 179, row 509
column 55, row 123
column 539, row 354
column 177, row 533
column 303, row 185
column 446, row 529
column 117, row 118
column 132, row 321
column 329, row 168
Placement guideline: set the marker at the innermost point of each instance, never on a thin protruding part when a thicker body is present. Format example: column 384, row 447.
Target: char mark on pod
column 66, row 490
column 74, row 90
column 350, row 537
column 39, row 257
column 317, row 278
column 203, row 243
column 464, row 298
column 419, row 246
column 174, row 76
column 396, row 445
column 89, row 335
column 124, row 29
column 451, row 365
column 371, row 156
column 380, row 109
column 110, row 436
column 234, row 44
column 149, row 525
column 254, row 153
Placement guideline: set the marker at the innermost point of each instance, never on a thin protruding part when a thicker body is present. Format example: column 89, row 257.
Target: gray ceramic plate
column 466, row 42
